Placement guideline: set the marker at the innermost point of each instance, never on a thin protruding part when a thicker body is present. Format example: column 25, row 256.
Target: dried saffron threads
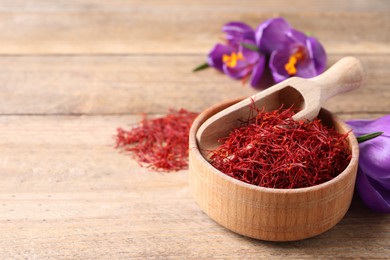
column 274, row 151
column 161, row 143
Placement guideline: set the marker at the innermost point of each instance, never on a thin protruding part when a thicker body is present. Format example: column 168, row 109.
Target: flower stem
column 250, row 46
column 201, row 67
column 367, row 137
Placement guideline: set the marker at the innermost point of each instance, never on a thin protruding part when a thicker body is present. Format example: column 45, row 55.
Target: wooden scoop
column 306, row 94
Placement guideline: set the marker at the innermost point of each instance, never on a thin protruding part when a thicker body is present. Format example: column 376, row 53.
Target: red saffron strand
column 161, row 143
column 274, row 151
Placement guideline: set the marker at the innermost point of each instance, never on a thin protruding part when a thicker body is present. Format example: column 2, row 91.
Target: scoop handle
column 345, row 75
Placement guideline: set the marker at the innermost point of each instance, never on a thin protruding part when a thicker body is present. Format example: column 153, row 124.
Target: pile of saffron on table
column 161, row 143
column 274, row 151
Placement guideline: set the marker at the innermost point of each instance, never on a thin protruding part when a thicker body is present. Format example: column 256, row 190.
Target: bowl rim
column 194, row 148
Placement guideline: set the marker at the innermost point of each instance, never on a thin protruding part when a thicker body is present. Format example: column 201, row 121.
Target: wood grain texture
column 130, row 84
column 334, row 6
column 74, row 70
column 66, row 194
column 122, row 27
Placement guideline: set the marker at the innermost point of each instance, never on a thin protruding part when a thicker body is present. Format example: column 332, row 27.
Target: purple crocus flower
column 235, row 60
column 373, row 179
column 292, row 53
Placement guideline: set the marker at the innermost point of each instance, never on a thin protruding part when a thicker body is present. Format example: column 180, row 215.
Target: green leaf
column 367, row 137
column 250, row 46
column 201, row 67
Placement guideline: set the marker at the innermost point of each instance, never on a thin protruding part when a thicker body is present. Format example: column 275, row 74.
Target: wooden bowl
column 266, row 213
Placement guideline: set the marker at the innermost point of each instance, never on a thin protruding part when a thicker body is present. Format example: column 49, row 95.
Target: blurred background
column 118, row 57
column 72, row 71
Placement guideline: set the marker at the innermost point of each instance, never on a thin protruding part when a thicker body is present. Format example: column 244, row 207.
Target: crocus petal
column 236, row 27
column 237, row 32
column 250, row 55
column 257, row 71
column 361, row 127
column 315, row 60
column 272, row 35
column 277, row 64
column 375, row 153
column 214, row 58
column 306, row 69
column 374, row 199
column 373, row 180
column 375, row 159
column 239, row 71
column 317, row 53
column 294, row 36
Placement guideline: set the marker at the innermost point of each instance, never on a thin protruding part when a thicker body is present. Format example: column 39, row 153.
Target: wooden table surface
column 73, row 71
